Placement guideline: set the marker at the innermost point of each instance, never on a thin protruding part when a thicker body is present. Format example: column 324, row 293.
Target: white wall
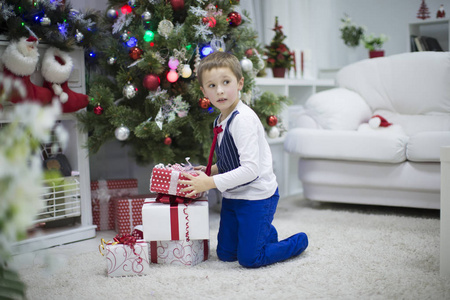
column 314, row 24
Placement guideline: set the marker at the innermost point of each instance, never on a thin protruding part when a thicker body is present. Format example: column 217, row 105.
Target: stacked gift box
column 175, row 229
column 102, row 205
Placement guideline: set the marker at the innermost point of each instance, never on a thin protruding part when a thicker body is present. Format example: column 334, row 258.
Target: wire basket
column 61, row 199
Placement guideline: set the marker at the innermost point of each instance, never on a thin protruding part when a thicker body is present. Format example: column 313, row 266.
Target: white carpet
column 355, row 252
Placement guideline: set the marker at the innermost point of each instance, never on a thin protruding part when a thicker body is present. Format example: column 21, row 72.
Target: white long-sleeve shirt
column 254, row 155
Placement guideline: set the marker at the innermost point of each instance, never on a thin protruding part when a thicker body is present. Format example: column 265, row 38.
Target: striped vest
column 227, row 153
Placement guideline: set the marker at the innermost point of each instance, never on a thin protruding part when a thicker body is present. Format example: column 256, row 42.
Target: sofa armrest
column 338, row 109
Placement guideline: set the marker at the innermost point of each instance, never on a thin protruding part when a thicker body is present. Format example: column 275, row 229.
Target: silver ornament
column 125, row 37
column 165, row 27
column 79, row 36
column 274, row 132
column 129, row 91
column 146, row 15
column 45, row 21
column 122, row 133
column 111, row 60
column 112, row 13
column 246, row 64
column 132, row 3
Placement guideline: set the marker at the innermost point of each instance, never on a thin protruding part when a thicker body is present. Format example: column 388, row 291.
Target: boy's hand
column 197, row 184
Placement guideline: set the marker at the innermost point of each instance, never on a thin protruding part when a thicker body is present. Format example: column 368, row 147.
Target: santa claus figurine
column 19, row 61
column 441, row 12
column 56, row 68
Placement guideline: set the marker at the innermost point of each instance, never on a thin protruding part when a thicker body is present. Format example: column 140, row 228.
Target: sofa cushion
column 338, row 109
column 347, row 145
column 413, row 124
column 408, row 83
column 426, row 146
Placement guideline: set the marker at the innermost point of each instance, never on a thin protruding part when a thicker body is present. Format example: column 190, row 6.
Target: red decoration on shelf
column 135, row 53
column 204, row 103
column 167, row 140
column 423, row 12
column 234, row 18
column 441, row 12
column 177, row 4
column 272, row 120
column 151, row 82
column 98, row 110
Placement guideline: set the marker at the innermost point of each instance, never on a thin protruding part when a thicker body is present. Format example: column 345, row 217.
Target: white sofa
column 343, row 159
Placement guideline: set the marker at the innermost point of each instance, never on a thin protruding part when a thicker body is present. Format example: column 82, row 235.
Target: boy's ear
column 203, row 91
column 241, row 83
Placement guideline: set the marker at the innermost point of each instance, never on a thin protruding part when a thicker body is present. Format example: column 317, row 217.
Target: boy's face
column 221, row 87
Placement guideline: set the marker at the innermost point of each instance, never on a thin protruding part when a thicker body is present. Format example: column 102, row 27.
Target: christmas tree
column 53, row 22
column 423, row 12
column 278, row 54
column 146, row 94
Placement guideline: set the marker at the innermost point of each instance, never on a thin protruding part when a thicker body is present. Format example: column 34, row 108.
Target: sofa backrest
column 416, row 83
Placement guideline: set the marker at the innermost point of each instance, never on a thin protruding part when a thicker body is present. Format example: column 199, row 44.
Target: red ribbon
column 129, row 240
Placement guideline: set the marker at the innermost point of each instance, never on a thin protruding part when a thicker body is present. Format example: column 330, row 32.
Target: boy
column 243, row 172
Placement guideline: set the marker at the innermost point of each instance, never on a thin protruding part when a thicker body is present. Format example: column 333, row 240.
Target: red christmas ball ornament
column 98, row 110
column 272, row 120
column 151, row 82
column 177, row 4
column 167, row 140
column 211, row 21
column 234, row 18
column 249, row 52
column 204, row 103
column 135, row 53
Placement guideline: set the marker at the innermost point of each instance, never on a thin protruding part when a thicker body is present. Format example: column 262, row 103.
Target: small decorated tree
column 423, row 12
column 278, row 54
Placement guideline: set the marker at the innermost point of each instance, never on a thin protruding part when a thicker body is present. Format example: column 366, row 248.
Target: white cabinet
column 67, row 212
column 437, row 28
column 298, row 90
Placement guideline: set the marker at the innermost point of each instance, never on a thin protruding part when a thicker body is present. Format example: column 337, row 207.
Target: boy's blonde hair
column 219, row 60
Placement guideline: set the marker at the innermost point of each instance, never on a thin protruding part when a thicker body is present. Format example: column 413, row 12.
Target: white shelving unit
column 68, row 199
column 298, row 90
column 436, row 28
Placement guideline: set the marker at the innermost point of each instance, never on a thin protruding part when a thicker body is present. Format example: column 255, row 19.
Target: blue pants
column 246, row 234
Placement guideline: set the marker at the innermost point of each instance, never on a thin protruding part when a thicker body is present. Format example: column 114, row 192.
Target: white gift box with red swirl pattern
column 123, row 260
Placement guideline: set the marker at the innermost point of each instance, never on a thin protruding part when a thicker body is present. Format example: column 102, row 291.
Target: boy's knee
column 250, row 262
column 224, row 256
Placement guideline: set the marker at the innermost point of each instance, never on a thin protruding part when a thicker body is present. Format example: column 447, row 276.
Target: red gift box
column 101, row 193
column 128, row 212
column 164, row 180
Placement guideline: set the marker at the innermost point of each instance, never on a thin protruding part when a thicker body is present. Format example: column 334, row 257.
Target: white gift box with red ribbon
column 169, row 222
